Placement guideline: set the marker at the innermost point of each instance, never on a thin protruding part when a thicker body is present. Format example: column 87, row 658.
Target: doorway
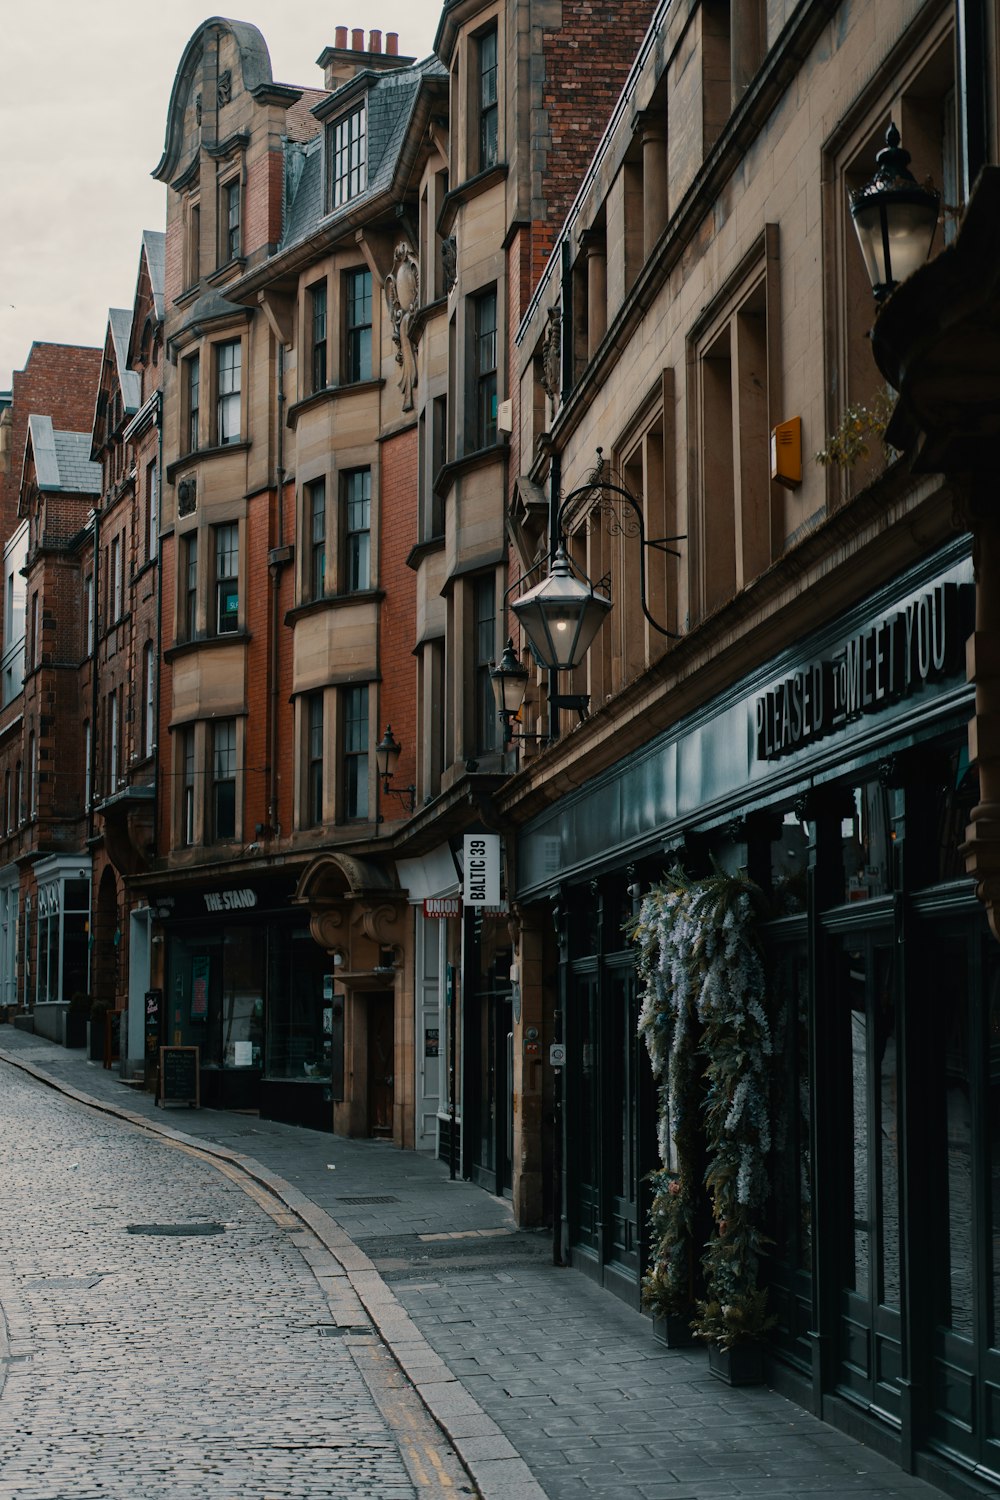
column 868, row 1323
column 381, row 1063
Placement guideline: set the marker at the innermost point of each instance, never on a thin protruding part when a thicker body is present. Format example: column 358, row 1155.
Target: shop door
column 868, row 1314
column 381, row 1063
column 962, row 1118
column 608, row 1151
column 626, row 1054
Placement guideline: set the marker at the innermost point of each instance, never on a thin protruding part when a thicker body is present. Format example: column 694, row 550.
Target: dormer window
column 349, row 157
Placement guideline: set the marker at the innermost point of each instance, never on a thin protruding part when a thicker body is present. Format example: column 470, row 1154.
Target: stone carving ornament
column 402, row 295
column 449, row 260
column 552, row 356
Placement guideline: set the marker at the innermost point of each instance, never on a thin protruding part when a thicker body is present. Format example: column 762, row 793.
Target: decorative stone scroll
column 402, row 295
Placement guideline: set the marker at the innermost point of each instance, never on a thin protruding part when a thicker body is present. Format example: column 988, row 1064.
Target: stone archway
column 358, row 914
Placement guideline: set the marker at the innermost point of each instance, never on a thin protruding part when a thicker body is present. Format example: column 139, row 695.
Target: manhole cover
column 356, row 1202
column 175, row 1229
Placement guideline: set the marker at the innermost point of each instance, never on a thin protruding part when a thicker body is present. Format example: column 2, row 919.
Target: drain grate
column 176, row 1229
column 357, row 1202
column 334, row 1330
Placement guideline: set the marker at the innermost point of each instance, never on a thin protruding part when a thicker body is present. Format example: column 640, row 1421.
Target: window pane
column 224, row 779
column 355, row 703
column 227, row 569
column 357, row 505
column 358, row 354
column 486, row 368
column 317, row 303
column 314, row 754
column 228, row 413
column 349, row 157
column 317, row 517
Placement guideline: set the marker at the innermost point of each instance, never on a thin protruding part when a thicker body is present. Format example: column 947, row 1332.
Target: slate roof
column 154, row 243
column 62, row 459
column 120, row 326
column 391, row 99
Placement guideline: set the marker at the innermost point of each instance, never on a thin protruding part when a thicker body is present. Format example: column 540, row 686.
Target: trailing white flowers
column 704, row 1019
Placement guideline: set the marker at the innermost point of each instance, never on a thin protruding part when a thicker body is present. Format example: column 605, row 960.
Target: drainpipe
column 277, row 561
column 95, row 595
column 159, row 622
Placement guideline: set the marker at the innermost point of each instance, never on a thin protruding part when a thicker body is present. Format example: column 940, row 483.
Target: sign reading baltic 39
column 481, row 886
column 881, row 664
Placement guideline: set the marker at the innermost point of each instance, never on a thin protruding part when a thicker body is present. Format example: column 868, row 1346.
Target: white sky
column 84, row 88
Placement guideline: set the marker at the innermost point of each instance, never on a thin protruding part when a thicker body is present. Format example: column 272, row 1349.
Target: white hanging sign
column 481, row 882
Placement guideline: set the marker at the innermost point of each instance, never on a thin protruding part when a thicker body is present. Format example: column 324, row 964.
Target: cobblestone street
column 202, row 1362
column 229, row 1364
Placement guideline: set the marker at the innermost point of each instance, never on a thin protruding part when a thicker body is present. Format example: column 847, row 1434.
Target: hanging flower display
column 705, row 1023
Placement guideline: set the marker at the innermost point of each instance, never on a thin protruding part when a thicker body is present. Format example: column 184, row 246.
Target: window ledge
column 469, row 189
column 424, row 549
column 228, row 272
column 328, row 393
column 478, row 459
column 333, row 601
column 197, row 454
column 206, row 643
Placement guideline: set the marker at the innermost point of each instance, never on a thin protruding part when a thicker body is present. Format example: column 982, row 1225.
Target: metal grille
column 374, row 1199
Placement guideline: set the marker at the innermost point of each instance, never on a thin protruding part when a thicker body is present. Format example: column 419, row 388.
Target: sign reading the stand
column 230, row 900
column 481, row 884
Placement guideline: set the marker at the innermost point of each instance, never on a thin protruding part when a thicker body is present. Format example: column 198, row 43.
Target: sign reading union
column 879, row 665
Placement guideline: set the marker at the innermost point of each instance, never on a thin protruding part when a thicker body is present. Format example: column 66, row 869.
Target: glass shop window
column 300, row 1025
column 867, row 836
column 216, row 996
column 61, row 935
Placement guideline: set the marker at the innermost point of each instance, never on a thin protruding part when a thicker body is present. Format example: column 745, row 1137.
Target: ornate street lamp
column 387, row 753
column 510, row 679
column 895, row 218
column 561, row 615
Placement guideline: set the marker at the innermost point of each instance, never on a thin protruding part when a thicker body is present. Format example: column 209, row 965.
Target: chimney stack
column 346, row 58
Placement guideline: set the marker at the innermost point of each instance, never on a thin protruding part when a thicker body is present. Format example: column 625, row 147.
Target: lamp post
column 894, row 218
column 387, row 753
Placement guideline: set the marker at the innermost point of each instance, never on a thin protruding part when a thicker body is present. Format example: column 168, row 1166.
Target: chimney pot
column 375, row 41
column 392, row 43
column 341, row 38
column 358, row 38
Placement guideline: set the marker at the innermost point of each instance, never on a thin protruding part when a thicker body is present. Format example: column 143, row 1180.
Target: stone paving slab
column 507, row 1351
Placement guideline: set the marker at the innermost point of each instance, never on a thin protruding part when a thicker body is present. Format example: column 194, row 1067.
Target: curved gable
column 255, row 67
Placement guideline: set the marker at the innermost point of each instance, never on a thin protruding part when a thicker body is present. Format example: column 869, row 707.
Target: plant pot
column 673, row 1329
column 742, row 1364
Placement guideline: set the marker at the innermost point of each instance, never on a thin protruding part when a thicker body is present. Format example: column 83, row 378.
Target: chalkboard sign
column 179, row 1080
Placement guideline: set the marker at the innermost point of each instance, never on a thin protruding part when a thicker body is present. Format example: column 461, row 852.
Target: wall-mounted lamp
column 895, row 218
column 561, row 615
column 510, row 679
column 387, row 753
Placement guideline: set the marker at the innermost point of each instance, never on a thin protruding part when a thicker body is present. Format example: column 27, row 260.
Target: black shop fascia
column 885, row 662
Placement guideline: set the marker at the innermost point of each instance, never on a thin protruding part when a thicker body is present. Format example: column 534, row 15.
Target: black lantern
column 561, row 616
column 387, row 753
column 510, row 678
column 894, row 217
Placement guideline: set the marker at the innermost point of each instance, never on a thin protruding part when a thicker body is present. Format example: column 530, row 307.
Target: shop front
column 245, row 983
column 838, row 777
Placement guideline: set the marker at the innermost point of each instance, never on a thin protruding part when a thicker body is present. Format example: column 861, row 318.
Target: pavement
column 544, row 1384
